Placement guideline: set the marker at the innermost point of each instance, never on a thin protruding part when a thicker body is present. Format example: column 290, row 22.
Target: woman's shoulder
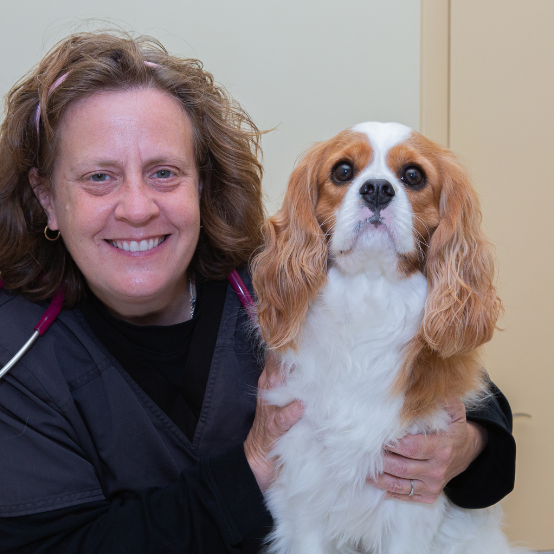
column 62, row 359
column 15, row 308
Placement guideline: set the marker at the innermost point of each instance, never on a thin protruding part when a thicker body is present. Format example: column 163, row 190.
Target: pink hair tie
column 54, row 86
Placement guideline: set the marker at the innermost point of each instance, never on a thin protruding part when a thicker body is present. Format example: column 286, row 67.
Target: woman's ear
column 462, row 306
column 43, row 192
column 292, row 267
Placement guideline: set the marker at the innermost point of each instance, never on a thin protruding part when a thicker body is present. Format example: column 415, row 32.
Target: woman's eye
column 163, row 174
column 99, row 177
column 342, row 172
column 413, row 177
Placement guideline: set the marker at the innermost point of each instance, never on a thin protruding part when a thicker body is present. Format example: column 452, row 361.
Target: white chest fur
column 344, row 371
column 349, row 356
column 351, row 351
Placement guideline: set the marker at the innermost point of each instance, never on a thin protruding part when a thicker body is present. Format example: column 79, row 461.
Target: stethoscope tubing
column 48, row 317
column 243, row 295
column 22, row 351
column 56, row 305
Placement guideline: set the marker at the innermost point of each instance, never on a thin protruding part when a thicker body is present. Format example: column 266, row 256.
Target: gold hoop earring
column 50, row 238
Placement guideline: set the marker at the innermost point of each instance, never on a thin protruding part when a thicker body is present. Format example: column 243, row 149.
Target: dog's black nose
column 377, row 193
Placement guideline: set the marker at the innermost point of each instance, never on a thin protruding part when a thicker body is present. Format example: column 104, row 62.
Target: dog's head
column 380, row 197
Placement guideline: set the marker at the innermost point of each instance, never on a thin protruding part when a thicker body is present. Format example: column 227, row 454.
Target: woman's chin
column 140, row 295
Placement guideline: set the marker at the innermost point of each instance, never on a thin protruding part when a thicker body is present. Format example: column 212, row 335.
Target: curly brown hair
column 226, row 148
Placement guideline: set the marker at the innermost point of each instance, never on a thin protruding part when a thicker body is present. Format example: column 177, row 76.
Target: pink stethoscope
column 56, row 304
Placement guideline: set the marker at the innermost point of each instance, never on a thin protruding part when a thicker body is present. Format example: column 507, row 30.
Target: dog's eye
column 413, row 176
column 342, row 173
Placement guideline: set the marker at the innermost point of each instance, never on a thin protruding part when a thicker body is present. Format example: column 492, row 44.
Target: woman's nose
column 136, row 203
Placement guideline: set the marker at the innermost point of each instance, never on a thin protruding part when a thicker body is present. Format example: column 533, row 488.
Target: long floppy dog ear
column 462, row 307
column 292, row 267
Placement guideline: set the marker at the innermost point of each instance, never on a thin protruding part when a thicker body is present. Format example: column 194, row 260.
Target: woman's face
column 125, row 196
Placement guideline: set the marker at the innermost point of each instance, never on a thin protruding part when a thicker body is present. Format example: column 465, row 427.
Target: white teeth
column 134, row 246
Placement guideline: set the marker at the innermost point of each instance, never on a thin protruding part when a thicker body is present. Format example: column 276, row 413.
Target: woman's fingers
column 409, row 490
column 399, row 474
column 286, row 417
column 270, row 423
column 431, row 461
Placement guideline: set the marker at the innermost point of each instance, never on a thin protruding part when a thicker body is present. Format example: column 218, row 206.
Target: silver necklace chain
column 192, row 299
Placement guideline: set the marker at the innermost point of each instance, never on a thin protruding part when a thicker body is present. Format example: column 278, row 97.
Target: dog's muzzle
column 377, row 194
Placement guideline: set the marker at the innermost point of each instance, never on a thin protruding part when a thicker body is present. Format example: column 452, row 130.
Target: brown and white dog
column 376, row 284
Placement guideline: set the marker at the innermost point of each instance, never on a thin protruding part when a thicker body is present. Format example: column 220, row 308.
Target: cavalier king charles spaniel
column 375, row 289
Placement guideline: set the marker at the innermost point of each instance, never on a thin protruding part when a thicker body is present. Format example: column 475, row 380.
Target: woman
column 132, row 179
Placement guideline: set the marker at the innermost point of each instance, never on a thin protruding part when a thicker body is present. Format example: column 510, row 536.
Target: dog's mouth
column 376, row 220
column 367, row 226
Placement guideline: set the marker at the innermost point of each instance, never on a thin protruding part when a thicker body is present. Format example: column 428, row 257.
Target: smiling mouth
column 137, row 246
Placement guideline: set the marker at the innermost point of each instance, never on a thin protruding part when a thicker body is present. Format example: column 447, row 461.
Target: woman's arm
column 216, row 507
column 489, row 477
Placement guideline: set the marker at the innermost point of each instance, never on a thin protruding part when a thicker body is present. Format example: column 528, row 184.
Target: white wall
column 309, row 67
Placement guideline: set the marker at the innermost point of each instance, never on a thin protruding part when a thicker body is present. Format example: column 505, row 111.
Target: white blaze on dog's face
column 380, row 198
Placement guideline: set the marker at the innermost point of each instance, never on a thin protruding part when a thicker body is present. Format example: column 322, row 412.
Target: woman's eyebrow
column 101, row 162
column 181, row 160
column 106, row 162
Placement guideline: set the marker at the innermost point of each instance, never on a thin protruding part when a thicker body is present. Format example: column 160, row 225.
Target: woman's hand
column 431, row 461
column 270, row 423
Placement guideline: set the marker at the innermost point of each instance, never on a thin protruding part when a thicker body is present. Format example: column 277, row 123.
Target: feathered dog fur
column 376, row 284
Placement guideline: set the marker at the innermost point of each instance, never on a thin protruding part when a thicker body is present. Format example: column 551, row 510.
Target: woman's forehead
column 140, row 105
column 117, row 123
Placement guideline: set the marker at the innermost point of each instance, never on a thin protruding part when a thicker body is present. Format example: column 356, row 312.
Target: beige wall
column 502, row 122
column 496, row 77
column 435, row 70
column 309, row 67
